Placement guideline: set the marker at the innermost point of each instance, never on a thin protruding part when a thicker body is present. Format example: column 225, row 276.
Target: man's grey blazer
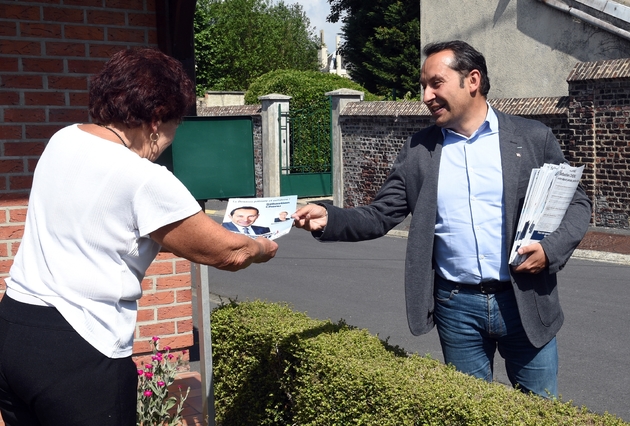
column 411, row 188
column 258, row 230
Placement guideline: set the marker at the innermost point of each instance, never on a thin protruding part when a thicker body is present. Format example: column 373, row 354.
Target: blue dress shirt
column 470, row 244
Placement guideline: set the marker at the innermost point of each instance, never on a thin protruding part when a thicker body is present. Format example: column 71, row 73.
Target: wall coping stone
column 600, row 70
column 516, row 106
column 233, row 110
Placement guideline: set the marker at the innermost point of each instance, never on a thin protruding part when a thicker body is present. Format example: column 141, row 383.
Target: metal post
column 200, row 278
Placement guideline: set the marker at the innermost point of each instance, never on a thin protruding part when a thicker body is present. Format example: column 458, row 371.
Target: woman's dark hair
column 138, row 86
column 467, row 58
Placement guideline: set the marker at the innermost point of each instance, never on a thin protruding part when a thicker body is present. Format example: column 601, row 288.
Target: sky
column 317, row 11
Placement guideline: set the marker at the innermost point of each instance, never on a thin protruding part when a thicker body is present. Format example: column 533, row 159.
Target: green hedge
column 273, row 366
column 306, row 88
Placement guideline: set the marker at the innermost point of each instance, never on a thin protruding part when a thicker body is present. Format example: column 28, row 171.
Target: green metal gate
column 213, row 157
column 306, row 150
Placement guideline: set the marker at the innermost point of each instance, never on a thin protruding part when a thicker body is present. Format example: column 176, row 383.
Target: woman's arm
column 200, row 239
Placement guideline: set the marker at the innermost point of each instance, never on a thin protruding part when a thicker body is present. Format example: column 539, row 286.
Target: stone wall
column 374, row 132
column 599, row 113
column 591, row 125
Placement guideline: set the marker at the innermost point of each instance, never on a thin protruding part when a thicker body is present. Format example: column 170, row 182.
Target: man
column 464, row 181
column 242, row 220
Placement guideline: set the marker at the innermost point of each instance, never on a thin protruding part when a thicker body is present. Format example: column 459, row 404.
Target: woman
column 99, row 210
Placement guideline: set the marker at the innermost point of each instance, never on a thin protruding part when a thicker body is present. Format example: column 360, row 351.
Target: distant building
column 331, row 63
column 531, row 46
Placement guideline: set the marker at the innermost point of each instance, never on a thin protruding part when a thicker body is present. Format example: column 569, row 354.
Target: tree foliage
column 382, row 43
column 239, row 40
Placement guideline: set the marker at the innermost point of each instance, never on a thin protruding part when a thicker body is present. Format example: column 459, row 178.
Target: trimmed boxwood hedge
column 305, row 87
column 274, row 366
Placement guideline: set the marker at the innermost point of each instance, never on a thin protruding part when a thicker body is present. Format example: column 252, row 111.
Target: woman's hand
column 200, row 239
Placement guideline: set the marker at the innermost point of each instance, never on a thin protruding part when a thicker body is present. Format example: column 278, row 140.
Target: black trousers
column 49, row 375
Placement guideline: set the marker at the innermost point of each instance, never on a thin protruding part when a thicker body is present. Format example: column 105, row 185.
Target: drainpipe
column 587, row 18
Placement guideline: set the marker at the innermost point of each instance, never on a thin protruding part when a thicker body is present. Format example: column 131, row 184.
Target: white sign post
column 200, row 278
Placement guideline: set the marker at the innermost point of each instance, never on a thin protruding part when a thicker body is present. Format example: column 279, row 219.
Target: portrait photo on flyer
column 268, row 217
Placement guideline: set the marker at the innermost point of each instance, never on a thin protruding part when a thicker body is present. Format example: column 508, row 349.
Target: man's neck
column 478, row 114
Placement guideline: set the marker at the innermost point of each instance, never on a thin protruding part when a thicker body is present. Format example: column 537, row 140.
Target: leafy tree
column 382, row 43
column 239, row 40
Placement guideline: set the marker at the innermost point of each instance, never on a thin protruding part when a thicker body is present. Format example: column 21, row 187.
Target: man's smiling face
column 446, row 91
column 244, row 217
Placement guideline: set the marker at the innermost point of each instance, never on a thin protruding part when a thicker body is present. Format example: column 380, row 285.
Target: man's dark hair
column 244, row 208
column 467, row 58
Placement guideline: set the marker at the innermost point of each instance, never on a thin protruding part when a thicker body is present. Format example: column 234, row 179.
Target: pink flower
column 148, row 367
column 184, row 352
column 140, row 372
column 148, row 393
column 167, row 348
column 148, row 375
column 155, row 338
column 171, row 356
column 161, row 383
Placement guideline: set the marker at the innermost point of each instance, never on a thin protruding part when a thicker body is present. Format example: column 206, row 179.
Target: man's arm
column 558, row 246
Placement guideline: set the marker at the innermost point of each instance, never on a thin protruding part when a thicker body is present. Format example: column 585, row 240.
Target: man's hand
column 311, row 217
column 536, row 259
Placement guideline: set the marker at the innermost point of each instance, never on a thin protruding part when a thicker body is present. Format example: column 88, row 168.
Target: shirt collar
column 489, row 126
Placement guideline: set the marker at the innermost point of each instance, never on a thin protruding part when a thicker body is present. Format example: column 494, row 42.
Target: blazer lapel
column 511, row 162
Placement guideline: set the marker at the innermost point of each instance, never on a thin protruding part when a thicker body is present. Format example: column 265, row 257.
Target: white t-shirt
column 86, row 247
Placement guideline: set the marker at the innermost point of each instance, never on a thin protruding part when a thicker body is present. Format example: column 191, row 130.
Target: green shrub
column 273, row 366
column 304, row 87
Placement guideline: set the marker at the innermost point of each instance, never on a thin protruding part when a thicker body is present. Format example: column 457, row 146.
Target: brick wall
column 373, row 133
column 591, row 124
column 599, row 113
column 48, row 50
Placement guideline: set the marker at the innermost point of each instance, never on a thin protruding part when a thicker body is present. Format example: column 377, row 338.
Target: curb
column 602, row 256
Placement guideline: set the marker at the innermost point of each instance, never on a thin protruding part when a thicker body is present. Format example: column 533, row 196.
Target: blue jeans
column 472, row 325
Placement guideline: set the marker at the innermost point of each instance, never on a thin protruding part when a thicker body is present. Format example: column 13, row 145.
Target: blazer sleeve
column 390, row 207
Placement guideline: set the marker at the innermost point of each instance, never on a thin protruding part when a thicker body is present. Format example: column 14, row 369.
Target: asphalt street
column 362, row 283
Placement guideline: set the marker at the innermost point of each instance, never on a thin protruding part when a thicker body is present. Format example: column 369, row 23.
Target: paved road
column 363, row 284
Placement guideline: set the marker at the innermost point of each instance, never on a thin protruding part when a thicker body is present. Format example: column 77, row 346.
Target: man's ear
column 474, row 81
